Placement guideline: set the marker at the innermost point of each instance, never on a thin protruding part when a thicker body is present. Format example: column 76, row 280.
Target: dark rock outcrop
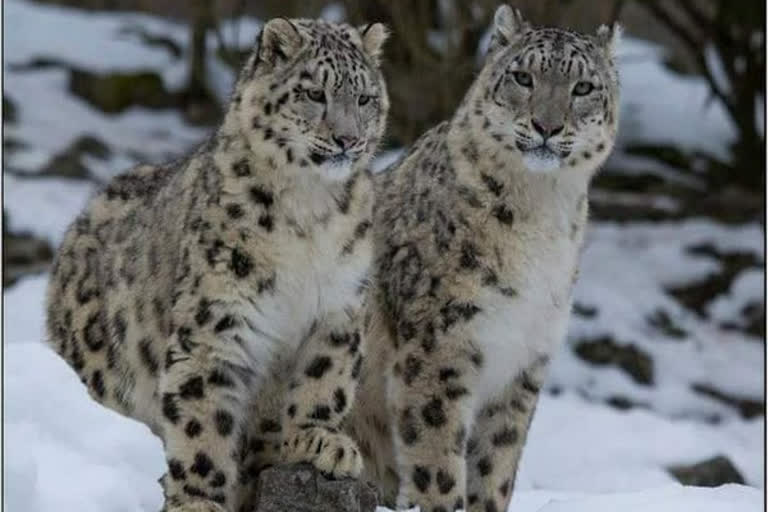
column 302, row 489
column 713, row 472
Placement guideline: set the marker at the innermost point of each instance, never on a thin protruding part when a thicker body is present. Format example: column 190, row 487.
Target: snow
column 37, row 31
column 55, row 119
column 335, row 13
column 65, row 452
column 646, row 259
column 57, row 438
column 659, row 105
column 23, row 306
column 44, row 207
column 727, row 498
column 99, row 43
column 748, row 287
column 626, row 451
column 670, row 499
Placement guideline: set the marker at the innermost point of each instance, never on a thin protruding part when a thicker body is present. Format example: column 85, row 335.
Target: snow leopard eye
column 582, row 88
column 523, row 78
column 364, row 99
column 317, row 95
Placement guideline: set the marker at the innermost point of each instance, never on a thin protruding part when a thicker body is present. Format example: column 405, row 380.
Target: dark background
column 426, row 85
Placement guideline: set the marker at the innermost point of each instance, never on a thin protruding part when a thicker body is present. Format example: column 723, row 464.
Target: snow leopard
column 218, row 299
column 477, row 232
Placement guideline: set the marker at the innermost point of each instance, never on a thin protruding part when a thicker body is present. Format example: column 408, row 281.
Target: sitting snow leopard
column 477, row 232
column 218, row 299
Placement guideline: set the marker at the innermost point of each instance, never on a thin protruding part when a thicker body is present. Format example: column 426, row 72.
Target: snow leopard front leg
column 320, row 395
column 497, row 440
column 209, row 377
column 431, row 398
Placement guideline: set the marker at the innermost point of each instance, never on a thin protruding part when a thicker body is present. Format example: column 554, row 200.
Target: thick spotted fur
column 219, row 299
column 477, row 232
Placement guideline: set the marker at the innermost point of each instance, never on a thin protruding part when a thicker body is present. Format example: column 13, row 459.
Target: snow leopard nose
column 345, row 141
column 545, row 130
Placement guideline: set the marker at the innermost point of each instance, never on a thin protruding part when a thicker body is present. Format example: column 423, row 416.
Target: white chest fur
column 513, row 332
column 313, row 282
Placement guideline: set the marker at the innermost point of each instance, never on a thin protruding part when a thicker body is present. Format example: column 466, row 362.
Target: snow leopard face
column 550, row 95
column 313, row 91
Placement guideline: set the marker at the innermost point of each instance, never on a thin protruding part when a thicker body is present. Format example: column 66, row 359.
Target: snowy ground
column 65, row 452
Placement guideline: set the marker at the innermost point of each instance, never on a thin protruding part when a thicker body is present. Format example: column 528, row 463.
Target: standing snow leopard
column 477, row 232
column 218, row 299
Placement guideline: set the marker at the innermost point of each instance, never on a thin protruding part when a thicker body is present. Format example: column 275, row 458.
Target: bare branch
column 674, row 25
column 617, row 8
column 694, row 46
column 696, row 15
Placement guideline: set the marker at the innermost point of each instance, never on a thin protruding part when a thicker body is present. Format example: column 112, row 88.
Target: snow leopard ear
column 508, row 24
column 374, row 36
column 280, row 40
column 609, row 37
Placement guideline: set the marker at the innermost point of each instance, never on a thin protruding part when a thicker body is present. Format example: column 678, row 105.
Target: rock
column 92, row 146
column 663, row 322
column 69, row 162
column 747, row 407
column 113, row 93
column 38, row 63
column 615, row 180
column 619, row 196
column 303, row 489
column 155, row 41
column 754, row 314
column 620, row 212
column 23, row 254
column 11, row 144
column 729, row 204
column 623, row 403
column 584, row 310
column 10, row 111
column 606, row 351
column 751, row 320
column 697, row 295
column 669, row 155
column 709, row 473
